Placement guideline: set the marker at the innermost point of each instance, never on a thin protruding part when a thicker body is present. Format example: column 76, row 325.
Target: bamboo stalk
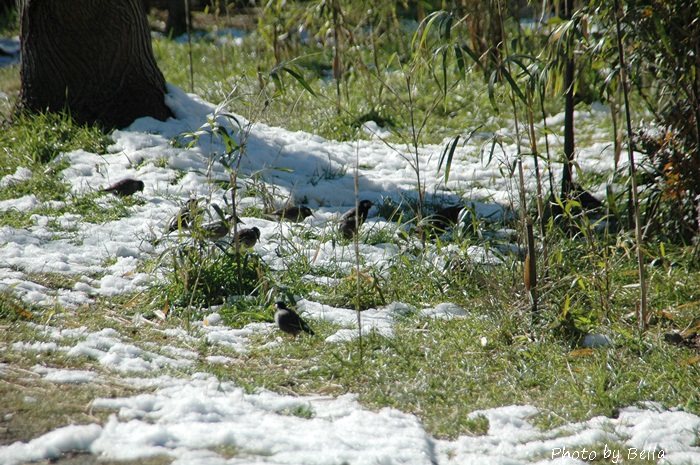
column 642, row 315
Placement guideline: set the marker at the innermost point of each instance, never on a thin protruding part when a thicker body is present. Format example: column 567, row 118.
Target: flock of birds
column 185, row 217
column 286, row 319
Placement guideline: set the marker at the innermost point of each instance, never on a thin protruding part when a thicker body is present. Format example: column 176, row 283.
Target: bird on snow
column 184, row 217
column 289, row 321
column 291, row 213
column 347, row 222
column 444, row 219
column 219, row 229
column 125, row 187
column 247, row 237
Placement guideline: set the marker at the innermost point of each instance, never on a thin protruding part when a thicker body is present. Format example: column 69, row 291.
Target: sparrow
column 125, row 187
column 347, row 222
column 289, row 321
column 585, row 198
column 247, row 237
column 447, row 216
column 440, row 221
column 184, row 217
column 219, row 229
column 294, row 214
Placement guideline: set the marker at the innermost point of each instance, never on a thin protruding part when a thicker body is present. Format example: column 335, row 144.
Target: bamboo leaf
column 277, row 80
column 554, row 21
column 461, row 64
column 425, row 27
column 230, row 116
column 662, row 34
column 300, row 80
column 444, row 72
column 446, row 157
column 219, row 212
column 463, row 48
column 492, row 90
column 513, row 85
column 492, row 150
column 446, row 23
column 562, row 29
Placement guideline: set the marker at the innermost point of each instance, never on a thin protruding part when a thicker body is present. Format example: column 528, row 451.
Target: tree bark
column 91, row 58
column 177, row 18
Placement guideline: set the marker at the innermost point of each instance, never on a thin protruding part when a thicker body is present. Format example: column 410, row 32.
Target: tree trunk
column 177, row 18
column 92, row 58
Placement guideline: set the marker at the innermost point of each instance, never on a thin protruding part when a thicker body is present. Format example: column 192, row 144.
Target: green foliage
column 202, row 275
column 371, row 87
column 345, row 294
column 9, row 19
column 39, row 138
column 33, row 142
column 12, row 309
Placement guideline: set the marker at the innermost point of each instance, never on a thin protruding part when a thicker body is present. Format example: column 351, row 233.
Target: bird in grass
column 247, row 237
column 348, row 226
column 292, row 213
column 289, row 321
column 442, row 220
column 125, row 187
column 184, row 217
column 447, row 216
column 219, row 229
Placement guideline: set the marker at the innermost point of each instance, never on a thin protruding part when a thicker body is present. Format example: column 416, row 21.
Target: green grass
column 441, row 370
column 89, row 208
column 34, row 143
column 40, row 138
column 242, row 75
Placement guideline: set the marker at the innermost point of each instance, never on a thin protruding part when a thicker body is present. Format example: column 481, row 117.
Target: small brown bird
column 247, row 237
column 347, row 222
column 125, row 187
column 447, row 216
column 294, row 214
column 184, row 217
column 289, row 321
column 439, row 222
column 219, row 229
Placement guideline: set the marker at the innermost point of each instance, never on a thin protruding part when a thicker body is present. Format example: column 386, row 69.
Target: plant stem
column 356, row 239
column 188, row 24
column 633, row 175
column 569, row 69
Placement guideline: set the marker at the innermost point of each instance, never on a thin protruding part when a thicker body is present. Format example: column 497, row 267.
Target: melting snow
column 188, row 419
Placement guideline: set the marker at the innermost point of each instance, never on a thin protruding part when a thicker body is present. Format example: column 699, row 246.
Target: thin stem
column 633, row 174
column 188, row 24
column 356, row 243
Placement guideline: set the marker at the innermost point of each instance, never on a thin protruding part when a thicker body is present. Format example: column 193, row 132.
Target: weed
column 203, row 275
column 327, row 172
column 301, row 411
